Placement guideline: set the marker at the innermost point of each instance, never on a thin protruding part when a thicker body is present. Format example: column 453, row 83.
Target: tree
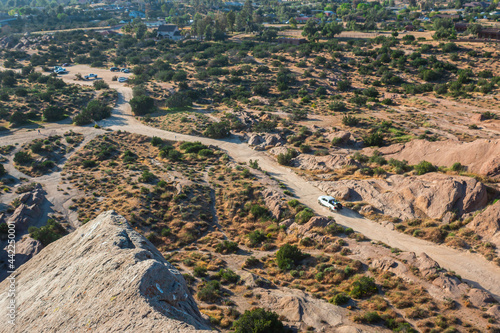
column 231, row 19
column 142, row 105
column 53, row 113
column 311, row 30
column 258, row 321
column 331, row 29
column 217, row 130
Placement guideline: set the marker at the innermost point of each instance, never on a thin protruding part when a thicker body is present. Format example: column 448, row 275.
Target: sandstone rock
column 487, row 224
column 450, row 284
column 477, row 117
column 480, row 156
column 343, row 136
column 255, row 140
column 479, row 297
column 274, row 201
column 302, row 310
column 321, row 163
column 26, row 248
column 286, row 223
column 314, row 222
column 494, row 311
column 426, row 265
column 430, row 195
column 104, row 277
column 383, row 264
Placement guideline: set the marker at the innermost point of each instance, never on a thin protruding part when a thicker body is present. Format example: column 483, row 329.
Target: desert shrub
column 87, row 164
column 218, row 130
column 226, row 247
column 358, row 100
column 95, row 110
column 304, row 216
column 305, row 148
column 349, row 120
column 100, row 84
column 285, row 159
column 53, row 113
column 368, row 318
column 47, row 234
column 337, row 106
column 258, row 321
column 339, row 299
column 362, row 287
column 210, row 292
column 343, row 85
column 288, row 256
column 156, row 141
column 256, row 237
column 22, row 157
column 227, row 275
column 142, row 105
column 37, row 147
column 424, row 167
column 192, row 147
column 457, row 167
column 147, row 177
column 374, row 139
column 259, row 211
column 3, row 172
column 199, row 271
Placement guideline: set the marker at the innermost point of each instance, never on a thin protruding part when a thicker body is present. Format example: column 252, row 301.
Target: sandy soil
column 472, row 267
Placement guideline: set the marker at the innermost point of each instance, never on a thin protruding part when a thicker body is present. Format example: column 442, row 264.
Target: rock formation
column 104, row 277
column 430, row 195
column 487, row 224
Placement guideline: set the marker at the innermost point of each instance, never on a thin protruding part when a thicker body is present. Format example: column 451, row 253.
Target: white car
column 122, row 79
column 92, row 75
column 329, row 202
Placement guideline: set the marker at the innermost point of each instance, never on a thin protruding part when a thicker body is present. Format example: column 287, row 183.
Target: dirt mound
column 321, row 163
column 430, row 195
column 104, row 277
column 487, row 224
column 480, row 156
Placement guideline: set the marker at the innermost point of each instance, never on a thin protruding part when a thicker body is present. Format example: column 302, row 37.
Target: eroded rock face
column 480, row 156
column 274, row 201
column 104, row 277
column 430, row 195
column 265, row 140
column 28, row 212
column 26, row 248
column 487, row 224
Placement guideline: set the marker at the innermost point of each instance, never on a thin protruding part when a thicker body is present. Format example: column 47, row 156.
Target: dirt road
column 473, row 268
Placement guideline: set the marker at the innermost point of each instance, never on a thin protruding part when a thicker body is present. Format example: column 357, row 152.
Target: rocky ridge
column 103, row 277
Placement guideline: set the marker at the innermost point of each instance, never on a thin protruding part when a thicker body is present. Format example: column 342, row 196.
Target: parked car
column 122, row 79
column 114, row 69
column 65, row 64
column 125, row 70
column 90, row 76
column 329, row 202
column 61, row 71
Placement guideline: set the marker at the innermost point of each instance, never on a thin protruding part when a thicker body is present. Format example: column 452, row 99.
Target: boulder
column 450, row 284
column 321, row 163
column 274, row 202
column 343, row 136
column 479, row 298
column 426, row 265
column 487, row 224
column 494, row 311
column 314, row 222
column 26, row 248
column 104, row 277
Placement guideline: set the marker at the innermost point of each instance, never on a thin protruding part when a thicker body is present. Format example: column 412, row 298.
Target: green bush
column 374, row 139
column 22, row 157
column 147, row 177
column 457, row 167
column 339, row 299
column 285, row 159
column 47, row 234
column 227, row 247
column 142, row 105
column 363, row 287
column 288, row 256
column 87, row 164
column 3, row 172
column 156, row 141
column 258, row 321
column 424, row 167
column 100, row 84
column 259, row 211
column 199, row 271
column 210, row 292
column 95, row 110
column 304, row 216
column 218, row 130
column 256, row 237
column 53, row 113
column 349, row 120
column 227, row 275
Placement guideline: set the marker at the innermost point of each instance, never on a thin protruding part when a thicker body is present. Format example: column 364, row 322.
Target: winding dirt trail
column 473, row 268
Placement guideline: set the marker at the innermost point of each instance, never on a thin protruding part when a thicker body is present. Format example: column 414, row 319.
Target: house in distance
column 169, row 31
